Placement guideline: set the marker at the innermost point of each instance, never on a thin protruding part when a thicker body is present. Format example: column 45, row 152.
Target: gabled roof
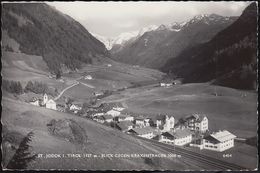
column 196, row 117
column 222, row 136
column 124, row 116
column 106, row 116
column 51, row 101
column 160, row 117
column 124, row 125
column 142, row 131
column 178, row 133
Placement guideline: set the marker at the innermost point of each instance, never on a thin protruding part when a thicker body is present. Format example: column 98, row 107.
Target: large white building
column 219, row 141
column 51, row 104
column 177, row 137
column 165, row 122
column 145, row 132
column 197, row 122
column 113, row 113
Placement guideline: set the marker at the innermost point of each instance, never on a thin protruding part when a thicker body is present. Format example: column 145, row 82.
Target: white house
column 118, row 108
column 146, row 132
column 165, row 122
column 124, row 118
column 103, row 118
column 162, row 84
column 109, row 65
column 75, row 107
column 88, row 77
column 169, row 123
column 124, row 126
column 98, row 114
column 219, row 141
column 98, row 93
column 197, row 122
column 139, row 122
column 147, row 122
column 51, row 104
column 114, row 113
column 177, row 137
column 35, row 102
column 168, row 84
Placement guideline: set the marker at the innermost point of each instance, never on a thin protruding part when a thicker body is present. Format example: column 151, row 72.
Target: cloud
column 113, row 18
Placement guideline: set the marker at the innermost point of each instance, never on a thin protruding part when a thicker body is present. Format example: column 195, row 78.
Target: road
column 56, row 98
column 76, row 83
column 198, row 158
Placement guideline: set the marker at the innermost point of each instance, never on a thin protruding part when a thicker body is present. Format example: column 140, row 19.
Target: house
column 113, row 113
column 147, row 122
column 165, row 122
column 118, row 108
column 177, row 82
column 176, row 137
column 51, row 104
column 60, row 107
column 139, row 122
column 98, row 114
column 197, row 143
column 109, row 65
column 88, row 77
column 124, row 126
column 98, row 93
column 197, row 122
column 219, row 141
column 162, row 84
column 166, row 82
column 75, row 107
column 34, row 102
column 146, row 132
column 103, row 118
column 122, row 117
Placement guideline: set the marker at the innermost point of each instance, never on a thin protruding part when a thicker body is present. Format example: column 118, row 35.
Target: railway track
column 213, row 163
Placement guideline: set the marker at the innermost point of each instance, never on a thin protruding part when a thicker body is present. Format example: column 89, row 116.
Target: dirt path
column 66, row 90
column 90, row 86
column 76, row 83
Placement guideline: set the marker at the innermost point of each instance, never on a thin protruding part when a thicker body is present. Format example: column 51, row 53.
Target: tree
column 13, row 86
column 22, row 155
column 58, row 74
column 29, row 86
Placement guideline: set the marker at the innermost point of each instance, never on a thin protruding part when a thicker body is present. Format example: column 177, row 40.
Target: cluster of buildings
column 169, row 82
column 191, row 130
column 44, row 102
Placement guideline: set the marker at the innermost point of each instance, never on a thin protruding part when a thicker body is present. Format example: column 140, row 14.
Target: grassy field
column 79, row 93
column 22, row 117
column 229, row 110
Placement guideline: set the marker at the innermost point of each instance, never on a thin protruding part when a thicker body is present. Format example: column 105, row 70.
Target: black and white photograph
column 129, row 86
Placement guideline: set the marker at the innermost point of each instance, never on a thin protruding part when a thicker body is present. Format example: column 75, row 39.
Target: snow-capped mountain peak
column 123, row 37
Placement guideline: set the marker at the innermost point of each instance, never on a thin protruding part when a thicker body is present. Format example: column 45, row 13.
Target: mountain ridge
column 42, row 30
column 228, row 59
column 168, row 41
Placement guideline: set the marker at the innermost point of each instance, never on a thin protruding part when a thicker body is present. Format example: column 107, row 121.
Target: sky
column 110, row 19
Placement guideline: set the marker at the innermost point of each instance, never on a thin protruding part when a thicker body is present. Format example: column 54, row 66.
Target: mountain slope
column 154, row 48
column 41, row 30
column 124, row 38
column 230, row 57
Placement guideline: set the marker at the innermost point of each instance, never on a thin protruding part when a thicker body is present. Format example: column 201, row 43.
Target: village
column 191, row 130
